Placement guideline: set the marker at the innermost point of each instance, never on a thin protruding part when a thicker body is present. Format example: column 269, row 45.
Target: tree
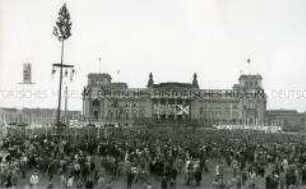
column 62, row 31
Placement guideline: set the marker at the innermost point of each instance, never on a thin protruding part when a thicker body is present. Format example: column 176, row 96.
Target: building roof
column 119, row 85
column 10, row 110
column 283, row 112
column 106, row 75
column 244, row 76
column 174, row 85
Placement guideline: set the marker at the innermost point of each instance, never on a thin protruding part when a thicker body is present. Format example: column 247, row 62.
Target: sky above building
column 170, row 38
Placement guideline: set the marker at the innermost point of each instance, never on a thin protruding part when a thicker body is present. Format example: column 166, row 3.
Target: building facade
column 112, row 102
column 34, row 115
column 289, row 120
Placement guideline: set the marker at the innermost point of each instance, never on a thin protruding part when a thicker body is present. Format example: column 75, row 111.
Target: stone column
column 158, row 109
column 183, row 115
column 166, row 108
column 175, row 114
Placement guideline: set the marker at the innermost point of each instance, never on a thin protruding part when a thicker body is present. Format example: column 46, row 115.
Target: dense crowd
column 164, row 155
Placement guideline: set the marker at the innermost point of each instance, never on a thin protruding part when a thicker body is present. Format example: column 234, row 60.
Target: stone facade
column 289, row 120
column 34, row 115
column 112, row 102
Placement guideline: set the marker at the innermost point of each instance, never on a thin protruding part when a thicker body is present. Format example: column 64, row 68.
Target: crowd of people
column 168, row 156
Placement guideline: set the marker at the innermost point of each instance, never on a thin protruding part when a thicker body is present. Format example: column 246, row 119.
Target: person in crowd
column 34, row 179
column 109, row 185
column 291, row 176
column 218, row 184
column 282, row 180
column 101, row 180
column 198, row 173
column 164, row 182
column 147, row 185
column 130, row 174
column 303, row 173
column 234, row 167
column 63, row 180
column 272, row 181
column 89, row 183
column 220, row 170
column 285, row 165
column 70, row 181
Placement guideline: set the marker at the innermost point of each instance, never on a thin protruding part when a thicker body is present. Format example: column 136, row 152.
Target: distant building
column 289, row 120
column 10, row 115
column 107, row 101
column 33, row 115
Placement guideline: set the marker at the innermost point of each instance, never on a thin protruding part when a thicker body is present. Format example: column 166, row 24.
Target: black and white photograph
column 153, row 94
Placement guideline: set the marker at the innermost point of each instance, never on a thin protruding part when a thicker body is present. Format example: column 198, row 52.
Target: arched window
column 96, row 103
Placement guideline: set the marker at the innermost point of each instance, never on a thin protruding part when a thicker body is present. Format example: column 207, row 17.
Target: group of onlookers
column 236, row 159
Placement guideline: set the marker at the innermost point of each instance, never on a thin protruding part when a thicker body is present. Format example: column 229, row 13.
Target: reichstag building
column 105, row 101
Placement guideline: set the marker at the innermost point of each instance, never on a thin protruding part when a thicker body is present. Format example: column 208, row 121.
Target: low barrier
column 272, row 129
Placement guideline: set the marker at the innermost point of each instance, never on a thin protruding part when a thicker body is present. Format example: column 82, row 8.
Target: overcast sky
column 170, row 38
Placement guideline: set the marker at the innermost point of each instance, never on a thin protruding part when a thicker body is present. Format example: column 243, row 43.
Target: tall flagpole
column 62, row 31
column 249, row 66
